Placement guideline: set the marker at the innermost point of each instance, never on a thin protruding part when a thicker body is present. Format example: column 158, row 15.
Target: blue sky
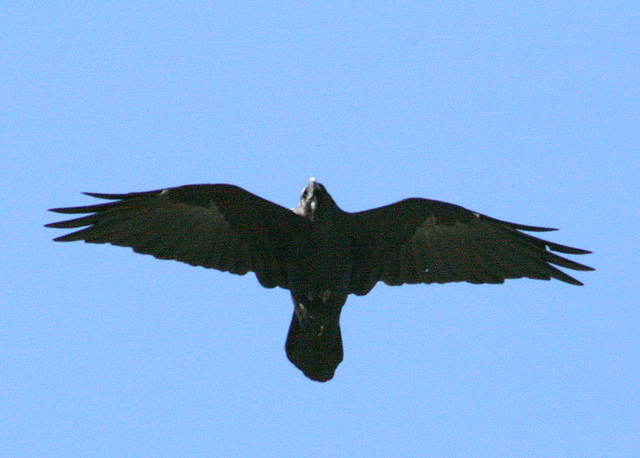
column 524, row 111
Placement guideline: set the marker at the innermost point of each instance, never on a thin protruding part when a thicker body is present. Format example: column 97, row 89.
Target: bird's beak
column 311, row 187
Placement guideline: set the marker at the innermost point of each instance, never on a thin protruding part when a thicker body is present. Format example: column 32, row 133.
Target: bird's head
column 315, row 203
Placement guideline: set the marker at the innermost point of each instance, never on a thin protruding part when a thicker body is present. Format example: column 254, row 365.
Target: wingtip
column 536, row 228
column 61, row 239
column 100, row 195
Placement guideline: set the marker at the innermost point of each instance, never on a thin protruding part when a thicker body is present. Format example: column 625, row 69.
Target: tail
column 314, row 343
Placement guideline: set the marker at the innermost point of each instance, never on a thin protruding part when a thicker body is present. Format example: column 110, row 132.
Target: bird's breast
column 319, row 266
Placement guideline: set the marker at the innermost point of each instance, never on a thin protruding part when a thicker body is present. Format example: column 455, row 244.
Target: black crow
column 317, row 251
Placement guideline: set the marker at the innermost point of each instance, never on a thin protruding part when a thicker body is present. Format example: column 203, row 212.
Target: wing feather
column 427, row 241
column 221, row 227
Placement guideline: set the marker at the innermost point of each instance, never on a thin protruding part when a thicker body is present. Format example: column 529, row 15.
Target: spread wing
column 427, row 241
column 217, row 226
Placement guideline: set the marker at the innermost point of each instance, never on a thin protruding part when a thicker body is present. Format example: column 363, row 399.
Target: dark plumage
column 317, row 251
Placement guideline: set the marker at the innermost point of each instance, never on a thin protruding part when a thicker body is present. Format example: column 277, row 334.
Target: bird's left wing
column 427, row 241
column 216, row 226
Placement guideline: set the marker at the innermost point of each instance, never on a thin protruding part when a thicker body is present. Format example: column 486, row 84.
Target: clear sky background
column 525, row 111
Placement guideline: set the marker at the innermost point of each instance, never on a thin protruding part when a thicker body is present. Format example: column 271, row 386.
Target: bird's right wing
column 216, row 226
column 427, row 241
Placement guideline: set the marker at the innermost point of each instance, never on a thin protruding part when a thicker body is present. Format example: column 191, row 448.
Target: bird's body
column 317, row 251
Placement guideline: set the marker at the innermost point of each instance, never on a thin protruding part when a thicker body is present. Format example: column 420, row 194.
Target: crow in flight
column 319, row 252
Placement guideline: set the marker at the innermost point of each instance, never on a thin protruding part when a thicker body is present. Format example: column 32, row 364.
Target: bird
column 317, row 251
